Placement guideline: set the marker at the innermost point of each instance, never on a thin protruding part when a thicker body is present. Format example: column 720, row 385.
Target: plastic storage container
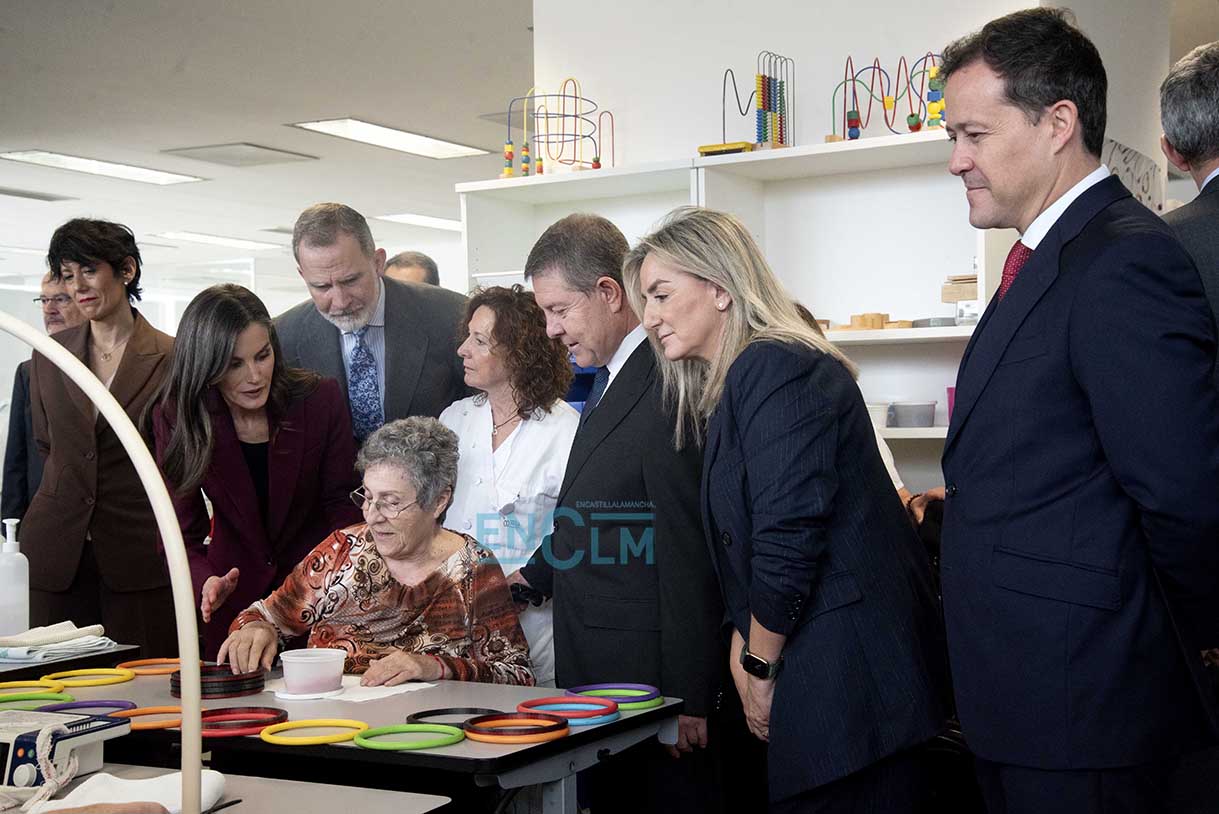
column 912, row 414
column 313, row 670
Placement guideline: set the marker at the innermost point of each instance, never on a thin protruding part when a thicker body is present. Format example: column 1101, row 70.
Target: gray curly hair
column 422, row 448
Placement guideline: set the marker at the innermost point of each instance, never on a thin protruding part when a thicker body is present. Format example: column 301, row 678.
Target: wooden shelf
column 901, row 336
column 929, row 433
column 861, row 155
column 583, row 185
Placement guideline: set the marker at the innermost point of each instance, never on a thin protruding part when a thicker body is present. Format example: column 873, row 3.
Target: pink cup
column 952, row 398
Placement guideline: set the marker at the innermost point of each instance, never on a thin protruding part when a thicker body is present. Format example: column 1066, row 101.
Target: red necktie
column 1016, row 258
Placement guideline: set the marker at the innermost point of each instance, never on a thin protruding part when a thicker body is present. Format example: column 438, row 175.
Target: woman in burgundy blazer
column 271, row 447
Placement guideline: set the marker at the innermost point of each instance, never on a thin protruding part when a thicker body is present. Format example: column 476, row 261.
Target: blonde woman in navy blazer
column 826, row 585
column 270, row 446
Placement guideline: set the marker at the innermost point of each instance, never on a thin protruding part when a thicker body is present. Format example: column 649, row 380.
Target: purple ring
column 650, row 692
column 114, row 703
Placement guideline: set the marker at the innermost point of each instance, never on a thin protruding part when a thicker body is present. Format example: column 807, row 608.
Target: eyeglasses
column 59, row 299
column 386, row 509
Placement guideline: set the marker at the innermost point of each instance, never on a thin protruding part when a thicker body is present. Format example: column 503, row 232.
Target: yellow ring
column 40, row 684
column 111, row 675
column 269, row 735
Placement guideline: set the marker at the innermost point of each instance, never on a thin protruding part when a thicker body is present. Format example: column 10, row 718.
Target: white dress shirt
column 1042, row 224
column 618, row 360
column 505, row 499
column 1214, row 174
column 374, row 338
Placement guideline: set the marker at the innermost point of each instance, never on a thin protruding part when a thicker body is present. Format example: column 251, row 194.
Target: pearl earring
column 721, row 305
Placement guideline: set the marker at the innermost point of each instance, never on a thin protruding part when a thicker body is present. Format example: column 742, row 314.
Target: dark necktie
column 600, row 382
column 1016, row 258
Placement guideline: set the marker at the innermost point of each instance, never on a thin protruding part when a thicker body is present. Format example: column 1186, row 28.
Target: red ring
column 608, row 706
column 232, row 733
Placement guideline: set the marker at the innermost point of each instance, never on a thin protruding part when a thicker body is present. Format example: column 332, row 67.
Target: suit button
column 89, row 501
column 951, row 490
column 725, row 539
column 89, row 456
column 270, row 561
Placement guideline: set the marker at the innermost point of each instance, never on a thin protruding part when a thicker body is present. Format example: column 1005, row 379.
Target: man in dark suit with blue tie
column 635, row 594
column 1080, row 558
column 392, row 346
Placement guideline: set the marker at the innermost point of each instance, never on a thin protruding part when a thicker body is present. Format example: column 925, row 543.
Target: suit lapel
column 323, row 349
column 78, row 346
column 236, row 481
column 285, row 454
column 404, row 354
column 1002, row 320
column 139, row 362
column 624, row 392
column 709, row 455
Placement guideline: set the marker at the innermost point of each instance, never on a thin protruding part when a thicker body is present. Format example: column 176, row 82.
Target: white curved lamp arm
column 171, row 536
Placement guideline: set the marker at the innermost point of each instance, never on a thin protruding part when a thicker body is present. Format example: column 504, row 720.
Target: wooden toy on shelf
column 920, row 102
column 774, row 100
column 574, row 130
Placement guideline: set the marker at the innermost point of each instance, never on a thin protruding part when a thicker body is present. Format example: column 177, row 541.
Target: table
column 102, row 658
column 553, row 764
column 262, row 795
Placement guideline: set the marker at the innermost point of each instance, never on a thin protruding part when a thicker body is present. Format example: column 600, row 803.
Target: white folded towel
column 106, row 788
column 51, row 634
column 80, row 646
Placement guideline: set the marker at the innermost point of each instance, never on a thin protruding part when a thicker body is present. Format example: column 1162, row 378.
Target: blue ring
column 600, row 719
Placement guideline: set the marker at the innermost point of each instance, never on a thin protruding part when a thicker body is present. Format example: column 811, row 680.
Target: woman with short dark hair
column 269, row 445
column 515, row 435
column 89, row 532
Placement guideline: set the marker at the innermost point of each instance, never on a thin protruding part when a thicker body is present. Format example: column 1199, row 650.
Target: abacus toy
column 574, row 130
column 774, row 101
column 925, row 104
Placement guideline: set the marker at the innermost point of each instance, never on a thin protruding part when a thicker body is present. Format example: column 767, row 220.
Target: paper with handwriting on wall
column 352, row 691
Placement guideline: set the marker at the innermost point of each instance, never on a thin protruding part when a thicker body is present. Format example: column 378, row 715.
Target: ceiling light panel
column 426, row 221
column 388, row 137
column 219, row 240
column 33, row 195
column 239, row 154
column 21, row 250
column 92, row 166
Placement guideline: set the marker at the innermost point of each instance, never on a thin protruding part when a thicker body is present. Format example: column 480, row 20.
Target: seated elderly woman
column 403, row 596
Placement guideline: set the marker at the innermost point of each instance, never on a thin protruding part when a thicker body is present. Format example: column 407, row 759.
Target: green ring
column 452, row 735
column 613, row 692
column 655, row 702
column 43, row 698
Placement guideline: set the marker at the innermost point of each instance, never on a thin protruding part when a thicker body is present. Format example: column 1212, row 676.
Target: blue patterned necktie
column 362, row 389
column 600, row 382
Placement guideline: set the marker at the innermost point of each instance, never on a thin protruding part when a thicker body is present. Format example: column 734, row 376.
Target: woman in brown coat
column 89, row 532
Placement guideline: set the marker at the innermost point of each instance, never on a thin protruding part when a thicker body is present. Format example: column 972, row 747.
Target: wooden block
column 956, row 292
column 900, row 323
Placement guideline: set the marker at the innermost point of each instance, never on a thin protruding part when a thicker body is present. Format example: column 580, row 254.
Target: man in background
column 412, row 267
column 1189, row 113
column 22, row 463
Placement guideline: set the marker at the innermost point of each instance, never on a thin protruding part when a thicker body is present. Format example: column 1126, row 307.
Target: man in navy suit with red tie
column 1080, row 559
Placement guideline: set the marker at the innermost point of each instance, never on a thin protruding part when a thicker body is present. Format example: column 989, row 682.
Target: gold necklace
column 106, row 354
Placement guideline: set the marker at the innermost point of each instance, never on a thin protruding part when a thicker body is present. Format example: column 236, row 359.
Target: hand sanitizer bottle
column 14, row 584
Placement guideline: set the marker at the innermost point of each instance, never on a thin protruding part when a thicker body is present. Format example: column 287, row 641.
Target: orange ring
column 168, row 723
column 163, row 671
column 485, row 738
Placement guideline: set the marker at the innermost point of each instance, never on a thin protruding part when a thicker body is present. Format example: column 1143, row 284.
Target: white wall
column 659, row 66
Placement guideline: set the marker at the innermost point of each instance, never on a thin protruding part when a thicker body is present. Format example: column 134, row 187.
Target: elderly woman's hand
column 248, row 648
column 215, row 591
column 399, row 667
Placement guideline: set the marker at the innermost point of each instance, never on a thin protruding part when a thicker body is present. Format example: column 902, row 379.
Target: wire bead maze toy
column 919, row 84
column 563, row 128
column 774, row 107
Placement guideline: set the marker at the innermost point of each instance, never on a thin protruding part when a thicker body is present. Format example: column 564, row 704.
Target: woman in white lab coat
column 515, row 435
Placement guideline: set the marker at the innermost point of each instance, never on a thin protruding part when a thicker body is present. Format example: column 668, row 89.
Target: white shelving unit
column 914, row 433
column 873, row 225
